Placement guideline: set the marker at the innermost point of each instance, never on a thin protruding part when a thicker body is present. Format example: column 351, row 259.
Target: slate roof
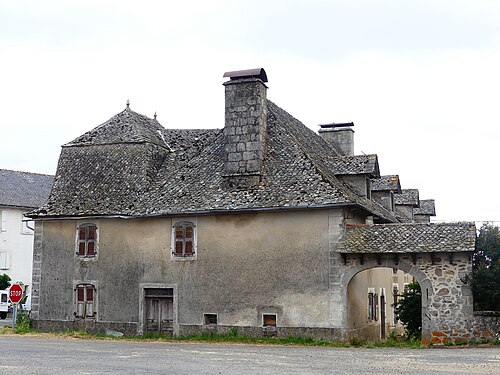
column 407, row 197
column 409, row 238
column 384, row 183
column 358, row 164
column 24, row 189
column 427, row 207
column 151, row 170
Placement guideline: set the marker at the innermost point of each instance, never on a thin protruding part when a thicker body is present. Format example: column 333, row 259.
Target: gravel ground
column 44, row 354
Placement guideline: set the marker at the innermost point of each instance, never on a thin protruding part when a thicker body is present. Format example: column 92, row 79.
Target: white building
column 20, row 192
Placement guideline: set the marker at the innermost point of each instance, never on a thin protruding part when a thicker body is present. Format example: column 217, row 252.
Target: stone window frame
column 265, row 315
column 85, row 255
column 82, row 305
column 175, row 255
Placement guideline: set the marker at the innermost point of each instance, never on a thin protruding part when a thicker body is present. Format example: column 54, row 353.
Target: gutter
column 199, row 213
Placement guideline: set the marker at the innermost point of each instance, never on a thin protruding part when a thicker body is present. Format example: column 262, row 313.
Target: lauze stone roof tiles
column 132, row 166
column 409, row 238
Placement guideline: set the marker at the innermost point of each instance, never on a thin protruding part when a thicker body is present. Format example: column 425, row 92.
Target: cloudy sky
column 420, row 79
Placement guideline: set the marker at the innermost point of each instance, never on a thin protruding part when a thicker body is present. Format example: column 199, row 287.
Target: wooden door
column 159, row 314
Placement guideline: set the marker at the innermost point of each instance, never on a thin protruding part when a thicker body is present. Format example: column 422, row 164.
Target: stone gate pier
column 438, row 256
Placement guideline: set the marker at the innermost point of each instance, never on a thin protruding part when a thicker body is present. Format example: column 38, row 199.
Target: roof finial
column 155, row 115
column 128, row 103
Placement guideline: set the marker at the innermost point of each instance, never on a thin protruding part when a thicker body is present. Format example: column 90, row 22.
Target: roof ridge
column 25, row 172
column 329, row 175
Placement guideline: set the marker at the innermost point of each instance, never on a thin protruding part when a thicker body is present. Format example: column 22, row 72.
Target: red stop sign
column 15, row 293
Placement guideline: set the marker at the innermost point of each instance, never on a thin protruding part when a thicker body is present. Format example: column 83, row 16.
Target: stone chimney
column 340, row 135
column 245, row 128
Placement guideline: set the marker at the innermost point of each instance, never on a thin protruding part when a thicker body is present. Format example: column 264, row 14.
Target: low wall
column 482, row 327
column 129, row 329
column 331, row 334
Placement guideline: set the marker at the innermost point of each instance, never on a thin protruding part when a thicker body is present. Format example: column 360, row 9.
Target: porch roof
column 409, row 238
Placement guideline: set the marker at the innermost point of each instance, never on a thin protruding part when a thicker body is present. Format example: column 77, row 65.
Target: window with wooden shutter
column 184, row 239
column 85, row 301
column 87, row 240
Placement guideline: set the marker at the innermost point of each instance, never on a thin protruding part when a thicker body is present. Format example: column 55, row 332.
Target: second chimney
column 340, row 135
column 245, row 127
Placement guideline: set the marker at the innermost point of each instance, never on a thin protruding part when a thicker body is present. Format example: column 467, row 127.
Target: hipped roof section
column 132, row 166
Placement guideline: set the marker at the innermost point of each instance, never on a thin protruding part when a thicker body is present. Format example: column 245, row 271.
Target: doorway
column 159, row 312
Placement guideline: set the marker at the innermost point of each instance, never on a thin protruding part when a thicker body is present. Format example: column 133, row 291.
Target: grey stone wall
column 245, row 130
column 129, row 329
column 37, row 269
column 246, row 265
column 331, row 334
column 384, row 198
column 483, row 326
column 342, row 138
column 357, row 182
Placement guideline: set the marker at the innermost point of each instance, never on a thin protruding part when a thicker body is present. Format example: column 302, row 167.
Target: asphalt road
column 46, row 355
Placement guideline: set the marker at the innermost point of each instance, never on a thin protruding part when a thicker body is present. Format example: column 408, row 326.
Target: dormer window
column 368, row 189
column 87, row 240
column 184, row 240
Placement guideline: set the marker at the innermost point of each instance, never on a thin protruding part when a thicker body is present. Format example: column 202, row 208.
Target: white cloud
column 419, row 78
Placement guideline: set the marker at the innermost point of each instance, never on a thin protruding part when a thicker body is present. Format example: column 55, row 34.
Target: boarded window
column 184, row 238
column 210, row 318
column 269, row 320
column 85, row 301
column 87, row 240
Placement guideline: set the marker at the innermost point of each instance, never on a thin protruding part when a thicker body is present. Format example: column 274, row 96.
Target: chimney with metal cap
column 245, row 128
column 340, row 135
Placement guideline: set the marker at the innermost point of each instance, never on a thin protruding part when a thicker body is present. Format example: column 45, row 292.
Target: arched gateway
column 438, row 256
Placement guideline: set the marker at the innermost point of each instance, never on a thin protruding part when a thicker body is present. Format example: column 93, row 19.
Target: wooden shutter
column 89, row 307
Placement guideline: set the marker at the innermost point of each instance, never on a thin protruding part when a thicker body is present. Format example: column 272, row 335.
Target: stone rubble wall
column 483, row 326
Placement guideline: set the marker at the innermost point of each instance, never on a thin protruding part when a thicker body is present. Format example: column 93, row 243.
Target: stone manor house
column 263, row 225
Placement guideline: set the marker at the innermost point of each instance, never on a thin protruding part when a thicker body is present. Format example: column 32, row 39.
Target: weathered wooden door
column 159, row 311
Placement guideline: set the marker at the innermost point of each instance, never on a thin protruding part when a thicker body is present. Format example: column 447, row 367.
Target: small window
column 184, row 239
column 85, row 301
column 87, row 240
column 269, row 320
column 4, row 297
column 368, row 189
column 3, row 221
column 209, row 318
column 372, row 305
column 4, row 260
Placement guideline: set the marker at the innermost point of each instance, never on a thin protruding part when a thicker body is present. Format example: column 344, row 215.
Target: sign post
column 15, row 295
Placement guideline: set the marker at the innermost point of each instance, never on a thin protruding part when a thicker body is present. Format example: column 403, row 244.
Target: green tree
column 4, row 281
column 486, row 269
column 408, row 310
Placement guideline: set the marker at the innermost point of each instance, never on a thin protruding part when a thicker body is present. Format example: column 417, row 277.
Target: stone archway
column 371, row 262
column 438, row 256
